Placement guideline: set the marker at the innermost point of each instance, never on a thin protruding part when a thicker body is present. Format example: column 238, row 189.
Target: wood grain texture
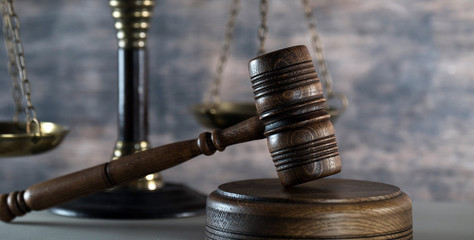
column 321, row 209
column 289, row 100
column 62, row 189
column 290, row 104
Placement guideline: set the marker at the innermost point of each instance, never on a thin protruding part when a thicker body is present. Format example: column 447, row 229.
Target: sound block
column 321, row 209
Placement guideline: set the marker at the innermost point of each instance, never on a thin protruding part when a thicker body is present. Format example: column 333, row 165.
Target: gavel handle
column 101, row 177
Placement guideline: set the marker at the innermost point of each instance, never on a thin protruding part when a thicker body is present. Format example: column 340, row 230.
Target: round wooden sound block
column 321, row 209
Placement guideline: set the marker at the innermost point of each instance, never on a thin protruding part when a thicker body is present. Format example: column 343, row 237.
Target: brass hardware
column 150, row 182
column 126, row 148
column 132, row 21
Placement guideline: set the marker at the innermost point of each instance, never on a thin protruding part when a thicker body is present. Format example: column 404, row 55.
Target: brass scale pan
column 15, row 141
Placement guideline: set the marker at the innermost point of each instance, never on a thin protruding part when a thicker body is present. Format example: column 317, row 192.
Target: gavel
column 290, row 106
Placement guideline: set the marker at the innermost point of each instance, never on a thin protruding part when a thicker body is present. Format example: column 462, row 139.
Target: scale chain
column 320, row 60
column 12, row 67
column 17, row 58
column 263, row 28
column 212, row 96
column 317, row 47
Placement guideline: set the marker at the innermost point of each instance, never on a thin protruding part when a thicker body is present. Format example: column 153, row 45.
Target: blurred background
column 406, row 67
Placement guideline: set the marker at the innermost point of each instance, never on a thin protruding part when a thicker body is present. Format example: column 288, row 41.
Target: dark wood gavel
column 290, row 106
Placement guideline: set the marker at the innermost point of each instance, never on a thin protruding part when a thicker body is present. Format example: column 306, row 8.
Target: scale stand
column 149, row 197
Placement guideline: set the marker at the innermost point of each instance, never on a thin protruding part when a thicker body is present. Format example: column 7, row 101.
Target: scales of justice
column 289, row 110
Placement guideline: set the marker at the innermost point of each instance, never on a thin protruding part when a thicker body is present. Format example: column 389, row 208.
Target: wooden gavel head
column 289, row 100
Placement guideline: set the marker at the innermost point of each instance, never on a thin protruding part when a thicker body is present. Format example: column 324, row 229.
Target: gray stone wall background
column 406, row 67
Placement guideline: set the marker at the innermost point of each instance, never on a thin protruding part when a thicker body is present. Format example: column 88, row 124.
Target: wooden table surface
column 432, row 221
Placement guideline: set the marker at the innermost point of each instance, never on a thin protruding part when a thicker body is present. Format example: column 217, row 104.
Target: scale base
column 170, row 201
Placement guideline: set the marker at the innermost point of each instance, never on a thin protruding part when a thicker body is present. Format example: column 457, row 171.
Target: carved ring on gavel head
column 289, row 100
column 290, row 106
